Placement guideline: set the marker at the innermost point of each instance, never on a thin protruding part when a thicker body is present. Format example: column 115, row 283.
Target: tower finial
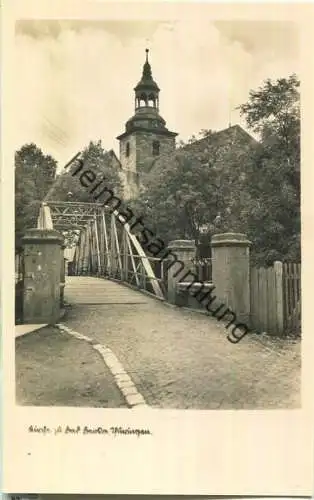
column 146, row 50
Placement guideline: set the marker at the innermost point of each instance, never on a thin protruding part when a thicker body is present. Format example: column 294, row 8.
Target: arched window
column 156, row 148
column 151, row 100
column 143, row 98
column 127, row 149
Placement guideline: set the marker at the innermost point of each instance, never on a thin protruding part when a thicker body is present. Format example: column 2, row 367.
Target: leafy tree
column 176, row 208
column 68, row 187
column 228, row 182
column 273, row 180
column 205, row 132
column 34, row 174
column 71, row 237
column 273, row 106
column 197, row 191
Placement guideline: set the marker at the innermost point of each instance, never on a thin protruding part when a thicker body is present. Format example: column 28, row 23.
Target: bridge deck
column 178, row 358
column 97, row 291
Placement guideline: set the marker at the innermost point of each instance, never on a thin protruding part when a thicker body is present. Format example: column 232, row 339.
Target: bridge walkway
column 87, row 290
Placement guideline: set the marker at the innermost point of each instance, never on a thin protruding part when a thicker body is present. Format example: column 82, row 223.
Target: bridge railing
column 137, row 276
column 203, row 269
column 108, row 248
column 128, row 267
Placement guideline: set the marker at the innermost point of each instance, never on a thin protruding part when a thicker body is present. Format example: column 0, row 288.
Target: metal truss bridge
column 105, row 247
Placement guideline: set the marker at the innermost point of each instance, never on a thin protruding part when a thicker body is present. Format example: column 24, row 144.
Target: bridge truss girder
column 106, row 246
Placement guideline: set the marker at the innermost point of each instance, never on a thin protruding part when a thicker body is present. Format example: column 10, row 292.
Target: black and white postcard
column 156, row 256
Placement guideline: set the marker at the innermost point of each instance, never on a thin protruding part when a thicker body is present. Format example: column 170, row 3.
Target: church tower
column 145, row 136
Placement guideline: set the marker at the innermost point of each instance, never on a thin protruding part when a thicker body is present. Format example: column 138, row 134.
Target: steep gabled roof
column 112, row 155
column 220, row 137
column 230, row 135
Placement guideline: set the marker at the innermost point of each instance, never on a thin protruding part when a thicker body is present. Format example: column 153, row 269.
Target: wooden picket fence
column 292, row 297
column 276, row 298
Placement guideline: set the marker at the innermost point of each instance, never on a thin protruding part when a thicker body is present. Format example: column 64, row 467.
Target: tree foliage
column 274, row 176
column 35, row 178
column 34, row 174
column 236, row 183
column 195, row 191
column 68, row 187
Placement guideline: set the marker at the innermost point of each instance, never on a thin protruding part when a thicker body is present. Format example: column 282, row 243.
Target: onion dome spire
column 147, row 82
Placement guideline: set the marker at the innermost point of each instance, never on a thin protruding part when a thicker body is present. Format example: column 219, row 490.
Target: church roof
column 224, row 139
column 220, row 137
column 112, row 155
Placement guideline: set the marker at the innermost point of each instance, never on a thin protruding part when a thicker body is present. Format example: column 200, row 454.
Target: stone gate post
column 180, row 255
column 42, row 273
column 231, row 273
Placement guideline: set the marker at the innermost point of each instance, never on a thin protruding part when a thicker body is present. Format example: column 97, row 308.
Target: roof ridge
column 209, row 136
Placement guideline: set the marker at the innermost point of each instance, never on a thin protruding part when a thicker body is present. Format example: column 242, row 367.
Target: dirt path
column 176, row 358
column 181, row 359
column 53, row 369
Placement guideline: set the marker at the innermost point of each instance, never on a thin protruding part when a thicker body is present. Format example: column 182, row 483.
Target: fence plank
column 265, row 322
column 257, row 305
column 275, row 297
column 293, row 293
column 276, row 307
column 260, row 296
column 285, row 295
column 267, row 302
column 253, row 283
column 292, row 296
column 270, row 300
column 290, row 303
column 257, row 316
column 292, row 284
column 265, row 299
column 261, row 290
column 254, row 288
column 279, row 296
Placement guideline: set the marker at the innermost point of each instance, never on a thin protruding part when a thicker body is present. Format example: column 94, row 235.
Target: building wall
column 144, row 147
column 130, row 183
column 128, row 162
column 140, row 156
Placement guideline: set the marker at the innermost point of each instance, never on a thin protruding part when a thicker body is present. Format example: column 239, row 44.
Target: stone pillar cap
column 42, row 236
column 229, row 239
column 182, row 244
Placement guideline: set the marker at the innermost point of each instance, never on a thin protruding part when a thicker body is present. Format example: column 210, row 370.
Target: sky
column 74, row 80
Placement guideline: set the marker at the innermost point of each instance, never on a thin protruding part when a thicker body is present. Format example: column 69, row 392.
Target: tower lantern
column 147, row 90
